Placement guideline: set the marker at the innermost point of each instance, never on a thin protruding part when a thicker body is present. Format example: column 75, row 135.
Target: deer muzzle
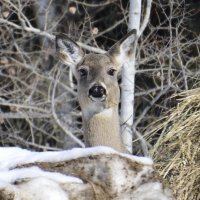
column 97, row 93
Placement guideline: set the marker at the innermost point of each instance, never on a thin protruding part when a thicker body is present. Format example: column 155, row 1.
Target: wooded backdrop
column 38, row 97
column 38, row 104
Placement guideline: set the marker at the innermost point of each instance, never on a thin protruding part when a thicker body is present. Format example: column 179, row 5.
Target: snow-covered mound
column 90, row 173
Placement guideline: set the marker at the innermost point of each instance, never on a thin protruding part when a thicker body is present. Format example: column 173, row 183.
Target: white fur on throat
column 106, row 113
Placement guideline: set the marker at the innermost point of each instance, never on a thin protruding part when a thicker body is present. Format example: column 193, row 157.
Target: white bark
column 128, row 80
column 128, row 74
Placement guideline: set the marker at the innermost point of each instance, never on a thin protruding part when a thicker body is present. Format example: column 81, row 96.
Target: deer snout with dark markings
column 97, row 93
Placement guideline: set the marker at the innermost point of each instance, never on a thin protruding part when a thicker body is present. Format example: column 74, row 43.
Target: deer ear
column 68, row 51
column 123, row 50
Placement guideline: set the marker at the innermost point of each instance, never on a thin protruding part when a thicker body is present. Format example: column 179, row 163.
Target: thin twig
column 142, row 141
column 16, row 115
column 94, row 5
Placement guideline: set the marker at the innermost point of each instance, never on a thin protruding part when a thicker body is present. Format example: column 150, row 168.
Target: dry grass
column 177, row 150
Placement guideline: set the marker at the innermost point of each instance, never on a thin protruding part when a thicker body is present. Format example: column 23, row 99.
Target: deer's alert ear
column 123, row 50
column 68, row 51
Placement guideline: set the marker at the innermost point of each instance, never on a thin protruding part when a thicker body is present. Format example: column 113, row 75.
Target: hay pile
column 177, row 149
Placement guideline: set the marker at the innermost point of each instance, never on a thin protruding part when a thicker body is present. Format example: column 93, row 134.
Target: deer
column 97, row 87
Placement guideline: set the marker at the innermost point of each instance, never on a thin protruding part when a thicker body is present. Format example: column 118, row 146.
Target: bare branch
column 46, row 34
column 94, row 5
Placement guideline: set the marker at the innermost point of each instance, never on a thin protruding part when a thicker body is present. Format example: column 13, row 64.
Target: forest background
column 38, row 104
column 38, row 97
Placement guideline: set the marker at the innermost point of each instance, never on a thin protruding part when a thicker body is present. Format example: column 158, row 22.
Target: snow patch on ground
column 48, row 190
column 10, row 157
column 151, row 191
column 36, row 184
column 34, row 172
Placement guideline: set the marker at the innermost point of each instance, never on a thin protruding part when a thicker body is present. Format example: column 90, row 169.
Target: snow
column 34, row 179
column 35, row 184
column 128, row 178
column 139, row 159
column 10, row 157
column 152, row 190
column 48, row 190
column 33, row 172
column 119, row 179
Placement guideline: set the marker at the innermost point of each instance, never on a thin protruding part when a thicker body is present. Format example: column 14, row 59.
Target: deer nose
column 97, row 91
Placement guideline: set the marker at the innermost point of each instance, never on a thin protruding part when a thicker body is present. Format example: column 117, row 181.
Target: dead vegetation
column 177, row 148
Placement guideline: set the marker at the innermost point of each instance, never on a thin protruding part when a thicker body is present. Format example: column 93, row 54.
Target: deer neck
column 103, row 129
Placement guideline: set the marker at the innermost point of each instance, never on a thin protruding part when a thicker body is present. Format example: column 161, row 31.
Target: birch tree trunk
column 128, row 80
column 128, row 73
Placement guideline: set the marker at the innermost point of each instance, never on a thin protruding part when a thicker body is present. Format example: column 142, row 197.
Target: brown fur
column 99, row 128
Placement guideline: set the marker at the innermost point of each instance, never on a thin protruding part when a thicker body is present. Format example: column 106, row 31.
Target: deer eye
column 83, row 72
column 111, row 72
